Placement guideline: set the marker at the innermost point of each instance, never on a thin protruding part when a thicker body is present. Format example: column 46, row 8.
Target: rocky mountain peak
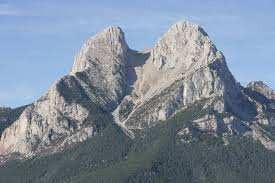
column 185, row 26
column 186, row 45
column 261, row 87
column 110, row 42
column 101, row 63
column 182, row 50
column 183, row 67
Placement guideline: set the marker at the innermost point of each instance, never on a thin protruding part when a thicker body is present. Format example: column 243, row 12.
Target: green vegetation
column 157, row 154
column 100, row 151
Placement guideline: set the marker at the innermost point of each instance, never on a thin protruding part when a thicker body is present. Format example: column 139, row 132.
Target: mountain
column 144, row 113
column 75, row 106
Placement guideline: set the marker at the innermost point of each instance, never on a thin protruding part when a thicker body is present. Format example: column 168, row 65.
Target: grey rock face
column 262, row 88
column 263, row 96
column 183, row 67
column 102, row 61
column 261, row 135
column 49, row 119
column 207, row 123
column 73, row 103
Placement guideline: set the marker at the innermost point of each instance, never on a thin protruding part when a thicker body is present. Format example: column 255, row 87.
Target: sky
column 39, row 38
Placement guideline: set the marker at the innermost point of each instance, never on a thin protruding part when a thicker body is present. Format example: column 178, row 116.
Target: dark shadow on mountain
column 135, row 59
column 9, row 115
column 268, row 103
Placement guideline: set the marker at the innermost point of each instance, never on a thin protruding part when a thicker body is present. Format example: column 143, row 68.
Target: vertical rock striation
column 183, row 67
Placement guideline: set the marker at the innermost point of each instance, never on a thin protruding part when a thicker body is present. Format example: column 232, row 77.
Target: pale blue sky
column 39, row 38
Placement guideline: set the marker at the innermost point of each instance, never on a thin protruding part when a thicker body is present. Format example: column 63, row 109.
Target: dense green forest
column 157, row 154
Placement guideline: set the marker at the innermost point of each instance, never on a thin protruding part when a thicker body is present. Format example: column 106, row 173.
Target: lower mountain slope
column 63, row 116
column 175, row 150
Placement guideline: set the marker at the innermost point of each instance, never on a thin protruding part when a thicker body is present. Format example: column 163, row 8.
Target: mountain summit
column 109, row 82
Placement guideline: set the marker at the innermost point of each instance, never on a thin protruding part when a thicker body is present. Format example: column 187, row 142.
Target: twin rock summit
column 140, row 89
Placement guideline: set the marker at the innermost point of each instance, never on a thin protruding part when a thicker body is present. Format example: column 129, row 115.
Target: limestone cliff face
column 74, row 107
column 182, row 68
column 102, row 62
column 49, row 119
column 264, row 98
column 140, row 89
column 262, row 88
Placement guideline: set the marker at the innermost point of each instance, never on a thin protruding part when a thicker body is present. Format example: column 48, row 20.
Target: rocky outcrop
column 101, row 63
column 207, row 123
column 262, row 88
column 49, row 119
column 183, row 67
column 262, row 136
column 263, row 96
